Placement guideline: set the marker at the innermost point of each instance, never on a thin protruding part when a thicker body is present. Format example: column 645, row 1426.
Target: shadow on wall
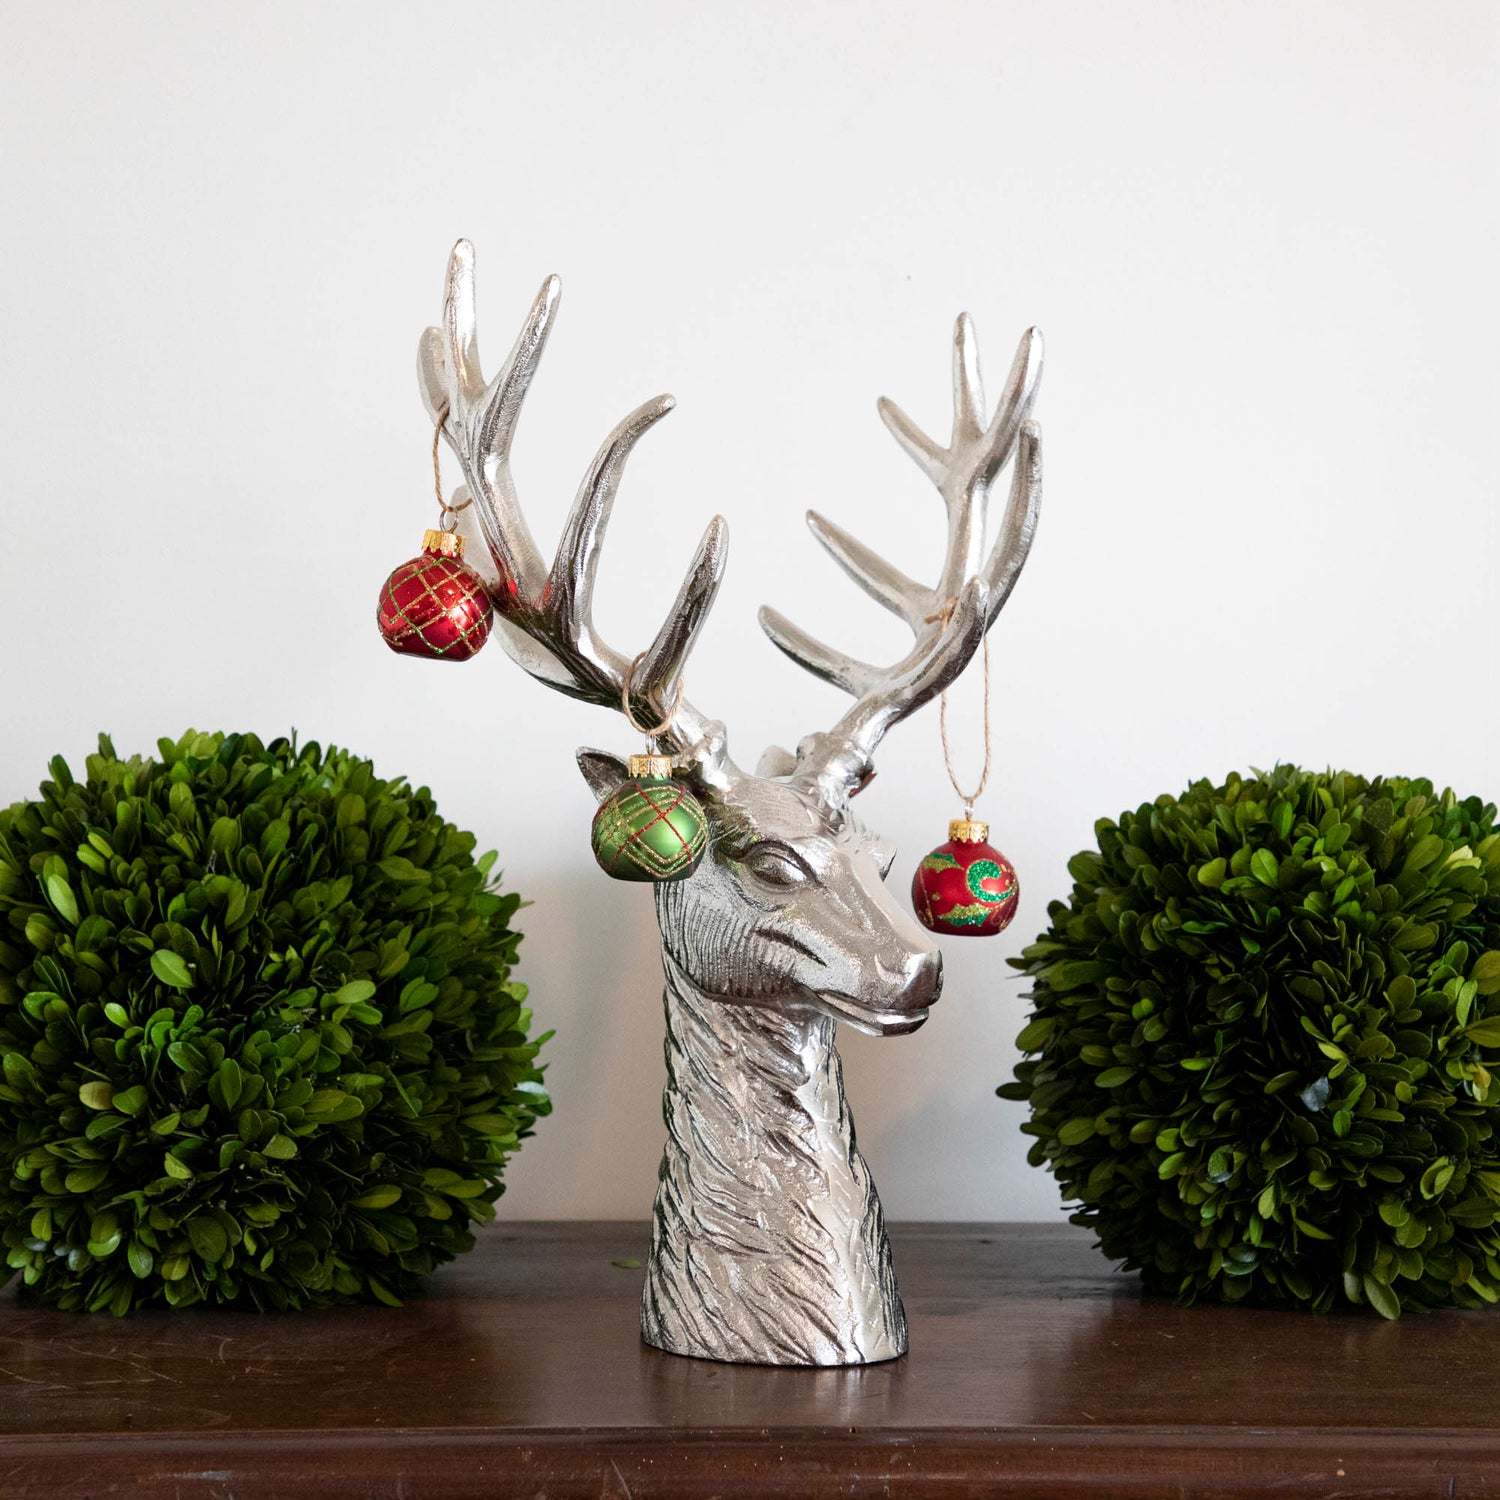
column 592, row 959
column 939, row 1142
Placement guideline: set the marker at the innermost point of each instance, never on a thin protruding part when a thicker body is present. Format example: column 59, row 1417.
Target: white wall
column 1261, row 238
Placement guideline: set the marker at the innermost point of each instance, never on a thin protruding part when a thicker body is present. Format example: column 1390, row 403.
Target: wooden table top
column 1034, row 1369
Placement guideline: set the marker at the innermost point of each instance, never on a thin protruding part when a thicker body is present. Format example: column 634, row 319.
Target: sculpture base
column 836, row 1357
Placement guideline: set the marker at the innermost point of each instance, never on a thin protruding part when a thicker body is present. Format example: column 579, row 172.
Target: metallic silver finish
column 948, row 620
column 768, row 1243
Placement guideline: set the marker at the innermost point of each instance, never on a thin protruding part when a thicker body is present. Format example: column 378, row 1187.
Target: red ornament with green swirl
column 966, row 887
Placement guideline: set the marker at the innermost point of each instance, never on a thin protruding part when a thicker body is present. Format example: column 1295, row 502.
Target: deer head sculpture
column 768, row 1243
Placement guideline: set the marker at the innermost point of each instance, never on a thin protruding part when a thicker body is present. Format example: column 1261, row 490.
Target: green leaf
column 383, row 1293
column 1264, row 867
column 1283, row 818
column 130, row 1101
column 60, row 894
column 282, row 1147
column 176, row 1167
column 1416, row 935
column 18, row 1071
column 86, row 1179
column 170, row 969
column 104, row 1235
column 1212, row 874
column 1422, row 853
column 96, row 1095
column 1113, row 1077
column 1074, row 974
column 378, row 1197
column 208, row 1237
column 331, row 1106
column 1402, row 992
column 1381, row 1298
column 1485, row 1033
column 1486, row 972
column 231, row 1082
column 1034, row 1034
column 462, row 1189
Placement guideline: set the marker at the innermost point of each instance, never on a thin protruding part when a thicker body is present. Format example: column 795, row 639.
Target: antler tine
column 506, row 393
column 930, row 457
column 968, row 383
column 842, row 671
column 1018, row 528
column 885, row 584
column 479, row 420
column 662, row 666
column 948, row 622
column 1014, row 406
column 570, row 591
column 459, row 325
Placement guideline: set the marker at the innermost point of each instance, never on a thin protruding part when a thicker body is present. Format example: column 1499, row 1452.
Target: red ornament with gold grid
column 436, row 605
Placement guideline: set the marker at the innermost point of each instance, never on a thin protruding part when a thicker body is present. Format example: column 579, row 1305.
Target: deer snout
column 908, row 987
column 916, row 984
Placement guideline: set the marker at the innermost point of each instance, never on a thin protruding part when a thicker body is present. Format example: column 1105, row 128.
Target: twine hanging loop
column 630, row 718
column 449, row 511
column 967, row 798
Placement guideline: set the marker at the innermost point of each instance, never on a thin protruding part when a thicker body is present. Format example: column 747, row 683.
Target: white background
column 1261, row 239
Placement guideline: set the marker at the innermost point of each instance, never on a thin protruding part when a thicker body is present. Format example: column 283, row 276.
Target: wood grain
column 1034, row 1370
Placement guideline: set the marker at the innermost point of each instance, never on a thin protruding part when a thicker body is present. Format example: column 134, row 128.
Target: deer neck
column 768, row 1243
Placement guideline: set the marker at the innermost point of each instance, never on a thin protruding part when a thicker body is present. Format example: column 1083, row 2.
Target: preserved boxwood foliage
column 259, row 1041
column 1262, row 1039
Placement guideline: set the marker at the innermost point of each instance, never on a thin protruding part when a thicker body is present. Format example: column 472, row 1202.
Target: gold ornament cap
column 654, row 767
column 443, row 544
column 968, row 831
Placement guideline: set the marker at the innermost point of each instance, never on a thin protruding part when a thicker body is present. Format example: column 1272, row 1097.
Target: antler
column 948, row 620
column 546, row 614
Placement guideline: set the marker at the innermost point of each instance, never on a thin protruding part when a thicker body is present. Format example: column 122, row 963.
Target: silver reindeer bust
column 768, row 1243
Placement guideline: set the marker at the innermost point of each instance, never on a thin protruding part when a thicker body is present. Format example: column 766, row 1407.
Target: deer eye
column 777, row 865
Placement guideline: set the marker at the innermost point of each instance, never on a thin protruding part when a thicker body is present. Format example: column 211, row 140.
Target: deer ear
column 774, row 761
column 603, row 771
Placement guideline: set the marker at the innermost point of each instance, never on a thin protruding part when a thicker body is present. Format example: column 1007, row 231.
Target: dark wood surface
column 1034, row 1369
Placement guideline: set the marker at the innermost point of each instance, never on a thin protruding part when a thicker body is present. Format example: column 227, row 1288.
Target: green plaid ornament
column 651, row 827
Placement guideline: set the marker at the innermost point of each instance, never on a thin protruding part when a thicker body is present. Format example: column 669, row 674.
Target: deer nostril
column 916, row 981
column 922, row 980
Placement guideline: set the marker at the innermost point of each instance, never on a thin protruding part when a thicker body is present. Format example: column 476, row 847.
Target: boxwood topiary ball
column 259, row 1041
column 1262, row 1033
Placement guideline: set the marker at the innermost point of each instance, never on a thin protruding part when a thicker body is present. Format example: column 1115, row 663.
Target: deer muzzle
column 896, row 1000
